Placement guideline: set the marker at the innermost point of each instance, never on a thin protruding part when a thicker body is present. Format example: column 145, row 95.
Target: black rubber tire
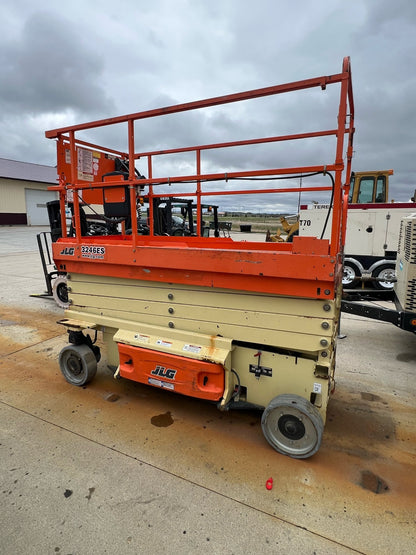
column 293, row 426
column 78, row 364
column 60, row 291
column 387, row 270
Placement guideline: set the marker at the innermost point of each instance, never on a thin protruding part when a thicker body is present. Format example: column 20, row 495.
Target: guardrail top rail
column 307, row 267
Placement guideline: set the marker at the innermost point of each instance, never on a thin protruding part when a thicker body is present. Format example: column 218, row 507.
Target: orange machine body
column 262, row 316
column 192, row 377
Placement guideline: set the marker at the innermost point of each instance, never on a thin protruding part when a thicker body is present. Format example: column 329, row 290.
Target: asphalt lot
column 118, row 467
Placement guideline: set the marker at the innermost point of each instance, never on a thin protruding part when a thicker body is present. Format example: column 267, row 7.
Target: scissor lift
column 238, row 323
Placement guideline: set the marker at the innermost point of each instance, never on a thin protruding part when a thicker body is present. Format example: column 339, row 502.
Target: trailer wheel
column 60, row 291
column 293, row 426
column 385, row 272
column 78, row 364
column 351, row 275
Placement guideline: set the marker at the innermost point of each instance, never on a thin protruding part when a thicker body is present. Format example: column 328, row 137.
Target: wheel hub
column 78, row 364
column 348, row 276
column 387, row 278
column 74, row 365
column 291, row 427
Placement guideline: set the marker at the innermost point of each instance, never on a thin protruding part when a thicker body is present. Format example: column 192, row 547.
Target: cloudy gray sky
column 65, row 63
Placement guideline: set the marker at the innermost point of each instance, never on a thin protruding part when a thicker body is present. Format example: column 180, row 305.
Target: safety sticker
column 95, row 162
column 160, row 383
column 163, row 343
column 85, row 164
column 317, row 388
column 141, row 338
column 192, row 348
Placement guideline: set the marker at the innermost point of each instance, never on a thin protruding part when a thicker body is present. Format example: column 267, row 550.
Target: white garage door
column 36, row 211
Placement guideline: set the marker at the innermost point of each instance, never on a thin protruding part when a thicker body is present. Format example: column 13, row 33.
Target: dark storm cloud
column 87, row 61
column 50, row 67
column 385, row 84
column 385, row 12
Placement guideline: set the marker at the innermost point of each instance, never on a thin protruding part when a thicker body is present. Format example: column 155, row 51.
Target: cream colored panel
column 196, row 312
column 294, row 375
column 183, row 294
column 214, row 349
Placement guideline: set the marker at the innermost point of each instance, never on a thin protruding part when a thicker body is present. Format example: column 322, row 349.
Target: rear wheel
column 78, row 364
column 387, row 274
column 351, row 275
column 293, row 426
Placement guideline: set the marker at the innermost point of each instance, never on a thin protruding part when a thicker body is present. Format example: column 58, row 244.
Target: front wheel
column 78, row 364
column 293, row 426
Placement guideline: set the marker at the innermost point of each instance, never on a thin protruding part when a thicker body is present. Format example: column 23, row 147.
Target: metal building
column 23, row 192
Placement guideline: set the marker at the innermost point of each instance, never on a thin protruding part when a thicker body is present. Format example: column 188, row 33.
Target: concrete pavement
column 118, row 467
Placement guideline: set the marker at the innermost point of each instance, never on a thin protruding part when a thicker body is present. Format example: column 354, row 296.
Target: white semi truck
column 373, row 227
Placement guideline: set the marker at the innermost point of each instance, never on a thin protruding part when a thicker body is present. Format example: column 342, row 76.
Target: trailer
column 236, row 323
column 403, row 314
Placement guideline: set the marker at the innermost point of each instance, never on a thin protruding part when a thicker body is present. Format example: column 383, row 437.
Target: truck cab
column 369, row 187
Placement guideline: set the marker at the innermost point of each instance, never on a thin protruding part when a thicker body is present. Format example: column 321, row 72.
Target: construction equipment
column 237, row 323
column 404, row 294
column 372, row 230
column 290, row 230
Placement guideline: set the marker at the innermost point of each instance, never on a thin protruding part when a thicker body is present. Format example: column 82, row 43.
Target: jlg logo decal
column 163, row 372
column 68, row 251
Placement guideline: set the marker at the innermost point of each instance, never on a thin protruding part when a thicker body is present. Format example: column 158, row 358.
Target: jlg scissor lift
column 238, row 323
